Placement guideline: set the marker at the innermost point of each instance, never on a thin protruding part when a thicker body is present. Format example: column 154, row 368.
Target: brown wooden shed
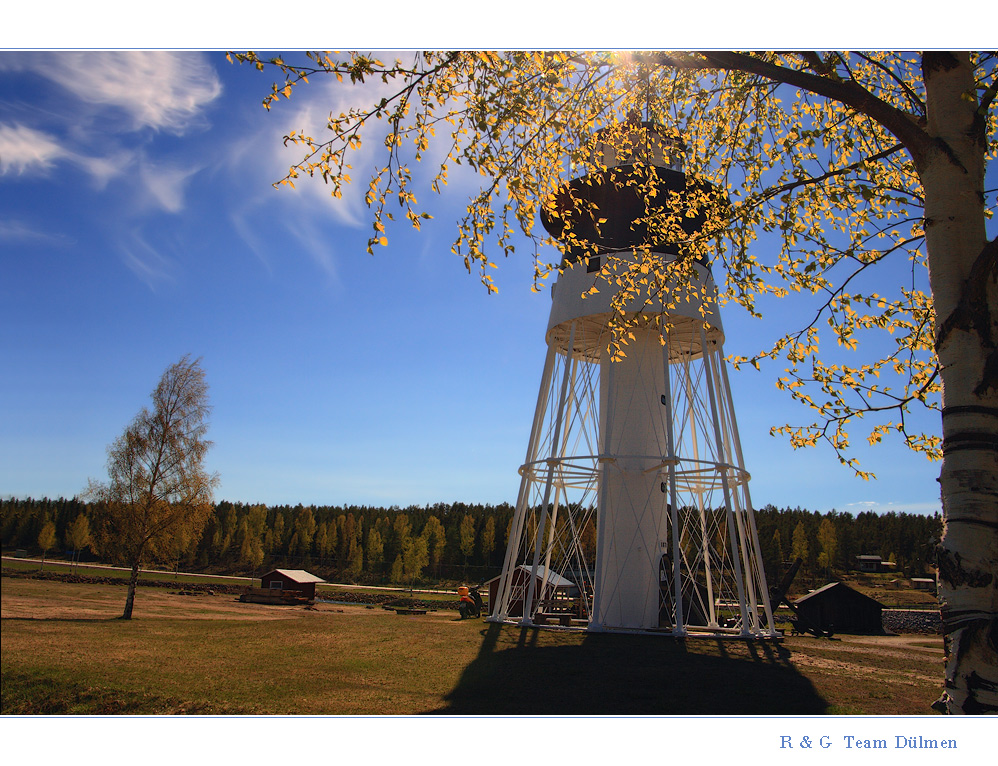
column 838, row 607
column 297, row 580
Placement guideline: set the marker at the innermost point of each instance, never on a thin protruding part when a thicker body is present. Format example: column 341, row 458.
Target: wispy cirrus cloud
column 263, row 156
column 112, row 94
column 26, row 150
column 165, row 184
column 147, row 261
column 19, row 231
column 102, row 113
column 161, row 90
column 260, row 157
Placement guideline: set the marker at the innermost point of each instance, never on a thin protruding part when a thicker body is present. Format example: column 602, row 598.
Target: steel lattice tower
column 633, row 512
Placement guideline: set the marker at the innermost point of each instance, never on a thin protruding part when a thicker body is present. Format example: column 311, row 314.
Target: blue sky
column 138, row 223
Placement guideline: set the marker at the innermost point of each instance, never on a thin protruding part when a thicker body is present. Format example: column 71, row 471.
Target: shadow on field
column 610, row 674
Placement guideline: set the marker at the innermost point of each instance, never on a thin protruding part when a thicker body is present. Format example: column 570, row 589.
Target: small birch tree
column 78, row 536
column 158, row 489
column 46, row 540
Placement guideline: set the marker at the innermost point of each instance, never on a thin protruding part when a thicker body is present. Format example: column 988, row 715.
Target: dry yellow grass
column 64, row 651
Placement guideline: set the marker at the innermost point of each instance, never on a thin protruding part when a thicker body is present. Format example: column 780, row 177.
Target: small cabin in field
column 299, row 581
column 873, row 564
column 838, row 607
column 283, row 586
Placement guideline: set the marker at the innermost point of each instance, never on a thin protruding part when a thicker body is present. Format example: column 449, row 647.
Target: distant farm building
column 924, row 583
column 284, row 586
column 867, row 563
column 838, row 607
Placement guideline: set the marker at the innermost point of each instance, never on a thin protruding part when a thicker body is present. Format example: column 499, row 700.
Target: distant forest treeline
column 455, row 541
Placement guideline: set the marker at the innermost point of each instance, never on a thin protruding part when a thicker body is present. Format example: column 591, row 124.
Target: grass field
column 118, row 573
column 64, row 652
column 56, row 566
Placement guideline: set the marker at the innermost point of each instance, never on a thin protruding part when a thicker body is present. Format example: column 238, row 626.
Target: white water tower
column 633, row 512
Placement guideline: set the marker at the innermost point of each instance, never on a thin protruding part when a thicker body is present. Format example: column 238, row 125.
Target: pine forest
column 449, row 542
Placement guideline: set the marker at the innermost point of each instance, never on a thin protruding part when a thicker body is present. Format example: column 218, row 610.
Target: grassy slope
column 63, row 651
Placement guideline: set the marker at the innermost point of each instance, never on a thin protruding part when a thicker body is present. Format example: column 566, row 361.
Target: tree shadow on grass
column 518, row 673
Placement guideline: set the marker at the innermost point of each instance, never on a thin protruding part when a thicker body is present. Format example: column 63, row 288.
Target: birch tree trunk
column 963, row 271
column 130, row 598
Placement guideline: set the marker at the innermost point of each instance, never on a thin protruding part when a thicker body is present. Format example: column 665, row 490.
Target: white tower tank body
column 633, row 512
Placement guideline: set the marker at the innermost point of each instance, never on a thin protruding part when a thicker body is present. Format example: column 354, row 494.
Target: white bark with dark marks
column 963, row 272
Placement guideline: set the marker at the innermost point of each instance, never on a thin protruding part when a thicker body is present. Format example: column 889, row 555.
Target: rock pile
column 912, row 621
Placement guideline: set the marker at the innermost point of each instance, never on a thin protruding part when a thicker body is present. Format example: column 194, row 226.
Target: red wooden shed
column 299, row 581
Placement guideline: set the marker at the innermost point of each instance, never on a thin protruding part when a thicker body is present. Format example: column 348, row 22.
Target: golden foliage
column 812, row 158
